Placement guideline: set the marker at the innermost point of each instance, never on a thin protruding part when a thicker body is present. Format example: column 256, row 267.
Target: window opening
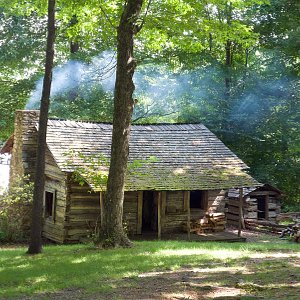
column 49, row 204
column 197, row 199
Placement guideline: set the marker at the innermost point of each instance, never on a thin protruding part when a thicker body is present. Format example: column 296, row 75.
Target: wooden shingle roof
column 187, row 156
column 235, row 193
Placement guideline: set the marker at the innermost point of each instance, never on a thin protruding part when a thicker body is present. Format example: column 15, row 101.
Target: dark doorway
column 149, row 222
column 261, row 207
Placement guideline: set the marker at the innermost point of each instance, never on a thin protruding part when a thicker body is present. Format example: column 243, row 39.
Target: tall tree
column 35, row 245
column 112, row 233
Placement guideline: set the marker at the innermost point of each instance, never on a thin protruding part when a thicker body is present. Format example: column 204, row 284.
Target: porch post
column 140, row 212
column 186, row 199
column 159, row 216
column 240, row 210
column 163, row 208
column 101, row 207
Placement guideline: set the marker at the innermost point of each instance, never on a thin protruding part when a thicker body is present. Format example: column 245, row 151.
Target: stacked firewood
column 291, row 230
column 211, row 222
column 263, row 226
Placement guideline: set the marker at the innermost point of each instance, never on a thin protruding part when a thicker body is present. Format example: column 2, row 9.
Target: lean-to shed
column 189, row 176
column 259, row 203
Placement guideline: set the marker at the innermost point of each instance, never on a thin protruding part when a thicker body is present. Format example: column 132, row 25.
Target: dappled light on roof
column 187, row 156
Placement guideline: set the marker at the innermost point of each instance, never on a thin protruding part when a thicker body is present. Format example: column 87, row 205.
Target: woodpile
column 290, row 216
column 292, row 230
column 263, row 226
column 211, row 222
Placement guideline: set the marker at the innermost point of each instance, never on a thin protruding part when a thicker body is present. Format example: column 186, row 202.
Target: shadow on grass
column 94, row 271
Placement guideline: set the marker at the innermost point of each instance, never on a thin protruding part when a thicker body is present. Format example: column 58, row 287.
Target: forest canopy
column 231, row 65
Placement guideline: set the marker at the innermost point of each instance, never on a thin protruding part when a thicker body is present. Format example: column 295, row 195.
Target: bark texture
column 35, row 245
column 112, row 233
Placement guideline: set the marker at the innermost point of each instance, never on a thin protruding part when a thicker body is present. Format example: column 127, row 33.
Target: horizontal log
column 53, row 237
column 232, row 217
column 233, row 209
column 233, row 202
column 263, row 193
column 232, row 222
column 264, row 223
column 81, row 196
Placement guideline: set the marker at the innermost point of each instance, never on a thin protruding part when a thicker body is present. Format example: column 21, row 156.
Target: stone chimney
column 24, row 144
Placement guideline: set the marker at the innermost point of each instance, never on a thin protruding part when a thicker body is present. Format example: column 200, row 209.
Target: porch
column 223, row 236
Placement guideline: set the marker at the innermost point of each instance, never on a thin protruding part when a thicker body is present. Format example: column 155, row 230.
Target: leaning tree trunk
column 112, row 233
column 35, row 245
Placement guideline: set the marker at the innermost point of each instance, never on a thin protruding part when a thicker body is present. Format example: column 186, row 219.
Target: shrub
column 15, row 211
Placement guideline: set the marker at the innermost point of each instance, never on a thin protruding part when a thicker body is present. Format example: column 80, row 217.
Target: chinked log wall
column 23, row 163
column 250, row 206
column 25, row 145
column 53, row 227
column 83, row 210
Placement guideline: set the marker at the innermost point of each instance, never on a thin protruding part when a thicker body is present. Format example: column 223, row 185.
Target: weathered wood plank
column 187, row 200
column 159, row 216
column 240, row 212
column 140, row 212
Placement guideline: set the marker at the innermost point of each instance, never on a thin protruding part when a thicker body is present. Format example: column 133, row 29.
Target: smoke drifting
column 164, row 96
column 157, row 87
column 74, row 73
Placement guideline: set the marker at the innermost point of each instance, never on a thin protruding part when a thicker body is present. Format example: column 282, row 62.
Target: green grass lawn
column 255, row 267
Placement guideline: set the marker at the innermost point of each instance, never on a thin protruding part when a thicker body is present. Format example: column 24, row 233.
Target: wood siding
column 176, row 213
column 53, row 227
column 82, row 211
column 251, row 207
column 130, row 212
column 24, row 145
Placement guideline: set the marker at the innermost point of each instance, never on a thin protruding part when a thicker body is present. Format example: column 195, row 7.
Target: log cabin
column 259, row 203
column 189, row 177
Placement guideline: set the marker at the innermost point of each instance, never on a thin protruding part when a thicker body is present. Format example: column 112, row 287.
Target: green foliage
column 15, row 211
column 93, row 168
column 260, row 119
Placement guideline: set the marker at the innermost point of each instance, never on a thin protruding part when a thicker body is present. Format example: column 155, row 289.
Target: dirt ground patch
column 218, row 281
column 181, row 284
column 213, row 282
column 256, row 237
column 275, row 276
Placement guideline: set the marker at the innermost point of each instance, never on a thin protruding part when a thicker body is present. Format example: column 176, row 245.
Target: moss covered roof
column 183, row 156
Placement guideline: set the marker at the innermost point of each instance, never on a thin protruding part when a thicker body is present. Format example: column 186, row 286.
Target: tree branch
column 144, row 18
column 107, row 17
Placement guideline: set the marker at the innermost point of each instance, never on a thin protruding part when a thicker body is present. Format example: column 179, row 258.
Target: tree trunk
column 228, row 66
column 112, row 233
column 74, row 44
column 35, row 245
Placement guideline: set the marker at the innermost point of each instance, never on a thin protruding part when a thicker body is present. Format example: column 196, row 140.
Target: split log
column 212, row 222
